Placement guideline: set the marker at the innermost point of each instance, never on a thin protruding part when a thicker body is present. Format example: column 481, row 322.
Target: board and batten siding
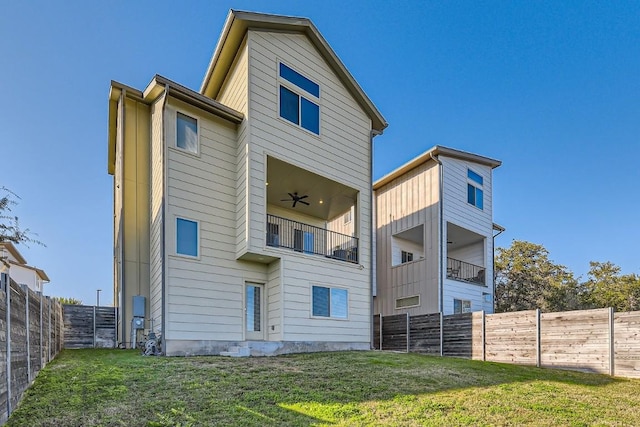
column 205, row 295
column 406, row 202
column 157, row 219
column 135, row 218
column 235, row 94
column 458, row 211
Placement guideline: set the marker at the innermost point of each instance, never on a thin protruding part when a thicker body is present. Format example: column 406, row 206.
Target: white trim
column 198, row 130
column 281, row 81
column 174, row 252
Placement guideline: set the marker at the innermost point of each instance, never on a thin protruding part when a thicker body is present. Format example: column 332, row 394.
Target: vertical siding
column 407, row 202
column 204, row 296
column 135, row 212
column 456, row 210
column 339, row 226
column 341, row 153
column 235, row 94
column 157, row 220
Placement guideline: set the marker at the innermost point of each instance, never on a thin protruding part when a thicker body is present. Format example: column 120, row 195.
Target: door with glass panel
column 254, row 311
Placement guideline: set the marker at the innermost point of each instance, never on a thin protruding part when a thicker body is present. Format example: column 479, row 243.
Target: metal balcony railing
column 465, row 272
column 300, row 237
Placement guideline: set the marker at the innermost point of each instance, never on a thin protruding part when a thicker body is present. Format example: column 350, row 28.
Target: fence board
column 511, row 337
column 376, row 331
column 79, row 326
column 627, row 344
column 457, row 335
column 424, row 331
column 394, row 332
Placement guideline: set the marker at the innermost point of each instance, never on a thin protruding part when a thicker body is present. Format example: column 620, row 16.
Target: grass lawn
column 122, row 388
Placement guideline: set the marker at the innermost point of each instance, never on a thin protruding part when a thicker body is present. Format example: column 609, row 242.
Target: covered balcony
column 309, row 213
column 465, row 255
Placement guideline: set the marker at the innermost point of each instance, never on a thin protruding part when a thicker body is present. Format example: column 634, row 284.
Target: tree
column 10, row 230
column 69, row 301
column 527, row 279
column 606, row 287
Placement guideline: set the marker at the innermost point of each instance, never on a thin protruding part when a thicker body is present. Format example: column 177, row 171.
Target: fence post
column 612, row 344
column 538, row 344
column 26, row 299
column 49, row 331
column 381, row 332
column 408, row 332
column 484, row 340
column 94, row 326
column 441, row 335
column 7, row 283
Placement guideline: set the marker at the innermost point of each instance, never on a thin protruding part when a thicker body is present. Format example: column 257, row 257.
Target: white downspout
column 440, row 231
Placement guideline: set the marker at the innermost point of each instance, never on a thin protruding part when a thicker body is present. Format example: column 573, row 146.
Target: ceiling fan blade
column 292, row 195
column 294, row 203
column 302, row 201
column 303, row 197
column 286, row 200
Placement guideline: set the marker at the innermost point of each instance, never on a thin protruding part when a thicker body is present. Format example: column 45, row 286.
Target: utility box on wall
column 139, row 306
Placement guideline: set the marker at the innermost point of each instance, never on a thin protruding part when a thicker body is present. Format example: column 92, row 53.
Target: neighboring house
column 435, row 235
column 20, row 271
column 230, row 203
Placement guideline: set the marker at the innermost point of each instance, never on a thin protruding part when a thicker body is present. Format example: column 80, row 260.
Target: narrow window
column 299, row 100
column 330, row 302
column 347, row 217
column 407, row 256
column 186, row 237
column 413, row 301
column 187, row 133
column 474, row 189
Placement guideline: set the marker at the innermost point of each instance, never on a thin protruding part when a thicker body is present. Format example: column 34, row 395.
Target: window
column 330, row 302
column 461, row 306
column 407, row 256
column 413, row 301
column 474, row 190
column 347, row 217
column 186, row 237
column 187, row 133
column 299, row 100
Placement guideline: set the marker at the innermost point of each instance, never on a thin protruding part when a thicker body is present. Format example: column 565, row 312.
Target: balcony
column 465, row 272
column 297, row 236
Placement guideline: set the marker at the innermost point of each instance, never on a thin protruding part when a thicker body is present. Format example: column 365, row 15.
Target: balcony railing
column 465, row 272
column 300, row 237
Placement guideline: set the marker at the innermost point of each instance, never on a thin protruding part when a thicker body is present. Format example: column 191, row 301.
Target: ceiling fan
column 295, row 199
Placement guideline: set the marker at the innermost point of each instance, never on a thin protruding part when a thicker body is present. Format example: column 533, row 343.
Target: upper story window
column 187, row 237
column 407, row 256
column 461, row 306
column 347, row 218
column 299, row 100
column 474, row 189
column 187, row 133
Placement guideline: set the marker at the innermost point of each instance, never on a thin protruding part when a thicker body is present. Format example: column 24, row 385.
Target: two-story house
column 230, row 201
column 434, row 235
column 21, row 272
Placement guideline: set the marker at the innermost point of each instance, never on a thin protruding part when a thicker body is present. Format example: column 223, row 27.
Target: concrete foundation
column 258, row 348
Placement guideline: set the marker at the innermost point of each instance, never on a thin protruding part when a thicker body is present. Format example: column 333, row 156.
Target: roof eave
column 236, row 26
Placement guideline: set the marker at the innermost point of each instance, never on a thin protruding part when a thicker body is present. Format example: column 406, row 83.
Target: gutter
column 164, row 223
column 441, row 230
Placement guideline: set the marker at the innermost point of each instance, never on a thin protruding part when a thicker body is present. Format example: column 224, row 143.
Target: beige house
column 21, row 272
column 434, row 235
column 230, row 202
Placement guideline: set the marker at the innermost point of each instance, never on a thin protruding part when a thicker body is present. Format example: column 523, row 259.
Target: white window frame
column 407, row 306
column 329, row 317
column 475, row 184
column 347, row 218
column 281, row 81
column 175, row 237
column 175, row 143
column 463, row 302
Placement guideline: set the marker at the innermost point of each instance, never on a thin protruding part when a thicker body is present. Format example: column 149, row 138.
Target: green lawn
column 122, row 388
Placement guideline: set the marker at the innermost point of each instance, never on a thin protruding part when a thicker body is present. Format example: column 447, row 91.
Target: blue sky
column 550, row 88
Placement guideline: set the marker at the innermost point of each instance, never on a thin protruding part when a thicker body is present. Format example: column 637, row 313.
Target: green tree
column 527, row 279
column 607, row 287
column 10, row 230
column 69, row 301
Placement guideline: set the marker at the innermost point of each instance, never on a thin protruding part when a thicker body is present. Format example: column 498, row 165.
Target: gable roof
column 13, row 252
column 235, row 28
column 436, row 151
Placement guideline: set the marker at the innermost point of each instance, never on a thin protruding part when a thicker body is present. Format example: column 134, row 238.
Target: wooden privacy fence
column 88, row 326
column 30, row 336
column 587, row 340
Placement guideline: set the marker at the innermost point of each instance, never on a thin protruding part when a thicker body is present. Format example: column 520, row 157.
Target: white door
column 254, row 311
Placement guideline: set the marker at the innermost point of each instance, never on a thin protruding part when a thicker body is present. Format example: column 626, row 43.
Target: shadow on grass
column 116, row 387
